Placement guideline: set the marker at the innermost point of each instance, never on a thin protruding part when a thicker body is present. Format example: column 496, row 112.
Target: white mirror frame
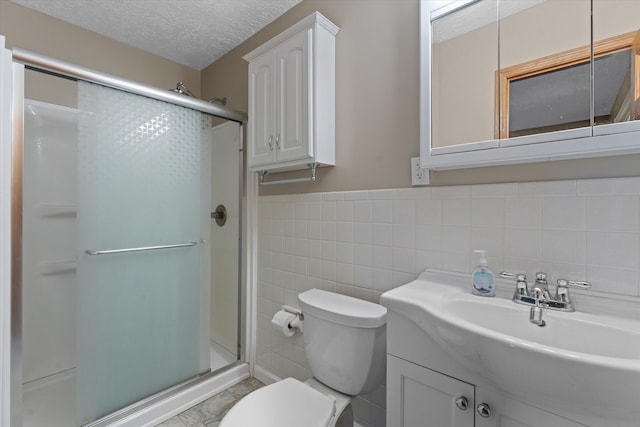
column 595, row 141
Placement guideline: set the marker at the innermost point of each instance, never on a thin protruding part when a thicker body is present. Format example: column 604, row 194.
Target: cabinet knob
column 278, row 141
column 484, row 410
column 270, row 142
column 462, row 403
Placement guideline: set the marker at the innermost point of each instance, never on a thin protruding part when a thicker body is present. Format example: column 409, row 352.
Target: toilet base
column 345, row 419
column 344, row 411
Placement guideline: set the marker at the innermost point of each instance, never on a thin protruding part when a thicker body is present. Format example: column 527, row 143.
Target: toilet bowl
column 345, row 345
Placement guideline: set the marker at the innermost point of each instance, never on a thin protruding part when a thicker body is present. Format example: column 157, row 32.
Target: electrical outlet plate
column 419, row 176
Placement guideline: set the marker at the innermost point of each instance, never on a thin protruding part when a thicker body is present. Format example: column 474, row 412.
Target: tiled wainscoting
column 364, row 243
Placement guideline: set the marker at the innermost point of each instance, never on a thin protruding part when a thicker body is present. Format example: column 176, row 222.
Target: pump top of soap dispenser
column 483, row 257
column 482, row 277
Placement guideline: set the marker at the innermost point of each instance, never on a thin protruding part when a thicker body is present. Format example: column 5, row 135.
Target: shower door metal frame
column 12, row 91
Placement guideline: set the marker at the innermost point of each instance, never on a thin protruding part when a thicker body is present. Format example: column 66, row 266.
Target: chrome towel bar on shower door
column 144, row 248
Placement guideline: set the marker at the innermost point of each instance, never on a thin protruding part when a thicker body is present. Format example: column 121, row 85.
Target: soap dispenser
column 482, row 277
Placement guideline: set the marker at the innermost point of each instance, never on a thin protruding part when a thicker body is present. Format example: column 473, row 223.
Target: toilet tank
column 345, row 340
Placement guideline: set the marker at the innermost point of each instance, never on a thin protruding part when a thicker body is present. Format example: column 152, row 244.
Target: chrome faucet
column 540, row 297
column 535, row 313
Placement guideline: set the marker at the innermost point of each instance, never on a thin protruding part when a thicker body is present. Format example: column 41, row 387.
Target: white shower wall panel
column 49, row 277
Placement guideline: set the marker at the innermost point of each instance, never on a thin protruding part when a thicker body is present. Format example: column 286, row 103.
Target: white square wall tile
column 487, row 212
column 404, row 212
column 344, row 232
column 362, row 211
column 382, row 234
column 382, row 279
column 494, row 190
column 329, row 211
column 301, row 210
column 456, row 239
column 401, row 278
column 404, row 260
column 328, row 250
column 356, row 195
column 344, row 252
column 451, row 192
column 328, row 230
column 362, row 276
column 428, row 259
column 362, row 233
column 609, row 186
column 564, row 246
column 614, row 280
column 456, row 262
column 344, row 273
column 613, row 250
column 564, row 213
column 314, row 211
column 404, row 236
column 456, row 212
column 620, row 213
column 382, row 257
column 345, row 211
column 382, row 211
column 362, row 255
column 523, row 212
column 523, row 244
column 428, row 212
column 429, row 237
column 490, row 239
column 547, row 188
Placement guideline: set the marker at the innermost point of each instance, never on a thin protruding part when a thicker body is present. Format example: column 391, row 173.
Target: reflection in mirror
column 464, row 61
column 619, row 19
column 544, row 82
column 553, row 93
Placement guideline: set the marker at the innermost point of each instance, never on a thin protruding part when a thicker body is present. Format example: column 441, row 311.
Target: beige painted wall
column 376, row 90
column 377, row 123
column 34, row 31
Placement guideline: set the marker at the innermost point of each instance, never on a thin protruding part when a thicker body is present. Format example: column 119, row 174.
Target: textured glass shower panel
column 141, row 167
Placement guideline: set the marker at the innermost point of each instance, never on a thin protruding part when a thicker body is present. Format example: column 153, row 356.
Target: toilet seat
column 286, row 403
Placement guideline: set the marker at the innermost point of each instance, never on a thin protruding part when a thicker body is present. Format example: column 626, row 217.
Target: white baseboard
column 265, row 376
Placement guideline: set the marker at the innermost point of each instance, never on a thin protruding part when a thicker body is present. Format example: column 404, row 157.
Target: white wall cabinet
column 421, row 397
column 292, row 98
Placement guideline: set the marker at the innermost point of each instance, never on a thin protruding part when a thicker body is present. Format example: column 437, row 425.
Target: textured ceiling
column 190, row 32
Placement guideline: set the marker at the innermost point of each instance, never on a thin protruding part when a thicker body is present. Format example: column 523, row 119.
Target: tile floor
column 210, row 412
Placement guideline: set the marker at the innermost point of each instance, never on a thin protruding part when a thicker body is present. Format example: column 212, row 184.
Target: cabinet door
column 506, row 412
column 293, row 92
column 420, row 397
column 262, row 107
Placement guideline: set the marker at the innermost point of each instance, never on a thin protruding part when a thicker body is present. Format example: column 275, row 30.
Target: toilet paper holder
column 294, row 310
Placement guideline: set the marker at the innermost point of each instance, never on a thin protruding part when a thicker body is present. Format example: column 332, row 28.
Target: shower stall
column 123, row 297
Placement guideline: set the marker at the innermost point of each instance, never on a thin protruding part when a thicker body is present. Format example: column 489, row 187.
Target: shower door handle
column 140, row 249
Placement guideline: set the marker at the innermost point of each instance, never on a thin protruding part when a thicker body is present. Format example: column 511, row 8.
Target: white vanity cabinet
column 421, row 397
column 292, row 98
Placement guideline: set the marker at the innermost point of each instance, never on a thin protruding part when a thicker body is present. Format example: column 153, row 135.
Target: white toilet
column 345, row 344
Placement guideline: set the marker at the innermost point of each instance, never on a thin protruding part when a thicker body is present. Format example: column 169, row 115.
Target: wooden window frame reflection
column 627, row 41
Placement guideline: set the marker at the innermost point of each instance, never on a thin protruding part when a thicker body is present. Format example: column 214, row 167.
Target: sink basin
column 579, row 363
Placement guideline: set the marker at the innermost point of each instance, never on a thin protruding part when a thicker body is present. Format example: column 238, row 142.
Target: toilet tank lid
column 342, row 309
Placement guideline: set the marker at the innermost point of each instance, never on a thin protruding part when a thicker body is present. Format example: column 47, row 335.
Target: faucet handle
column 579, row 284
column 563, row 283
column 520, row 277
column 562, row 292
column 521, row 282
column 541, row 277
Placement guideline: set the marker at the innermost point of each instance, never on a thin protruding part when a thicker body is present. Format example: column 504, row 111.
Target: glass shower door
column 143, row 226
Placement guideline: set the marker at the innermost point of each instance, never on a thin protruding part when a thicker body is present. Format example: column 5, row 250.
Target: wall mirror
column 513, row 81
